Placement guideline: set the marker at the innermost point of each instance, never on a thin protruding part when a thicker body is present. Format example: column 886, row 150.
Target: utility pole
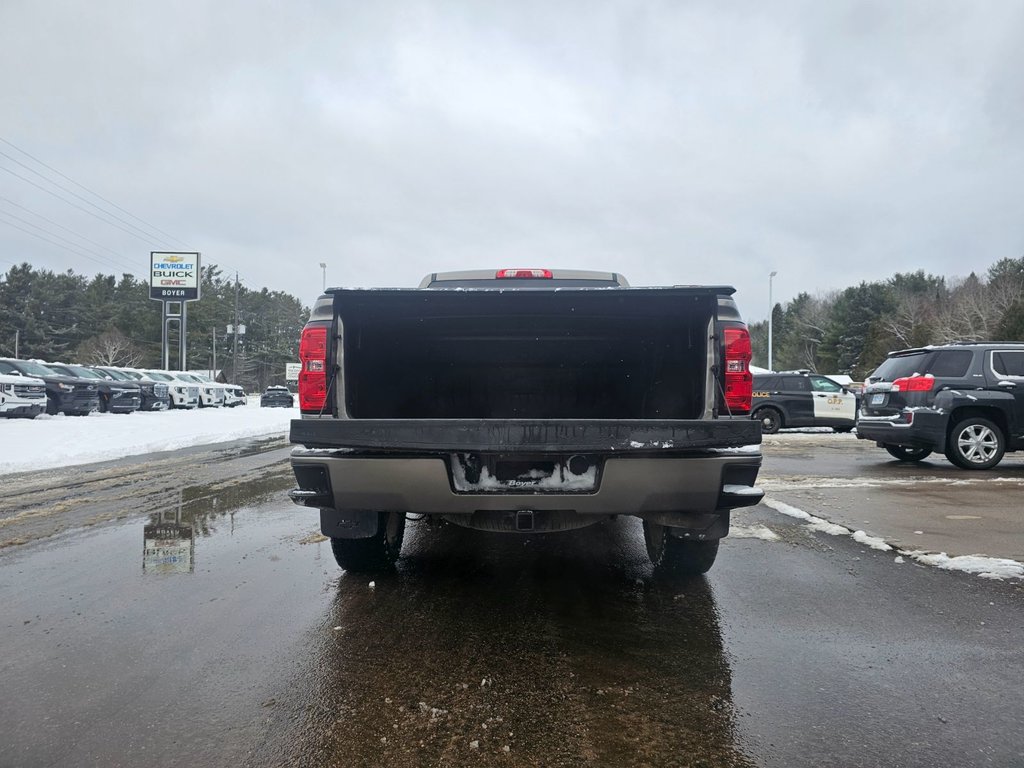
column 771, row 313
column 214, row 371
column 16, row 334
column 234, row 352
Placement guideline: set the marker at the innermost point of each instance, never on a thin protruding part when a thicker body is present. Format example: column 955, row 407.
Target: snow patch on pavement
column 981, row 565
column 817, row 524
column 805, row 483
column 786, row 509
column 987, row 567
column 871, row 541
column 762, row 532
column 823, row 525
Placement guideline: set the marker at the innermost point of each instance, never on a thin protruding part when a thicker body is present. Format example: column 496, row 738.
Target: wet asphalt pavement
column 143, row 626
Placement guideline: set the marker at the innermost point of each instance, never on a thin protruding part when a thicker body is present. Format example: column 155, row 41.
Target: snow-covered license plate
column 877, row 399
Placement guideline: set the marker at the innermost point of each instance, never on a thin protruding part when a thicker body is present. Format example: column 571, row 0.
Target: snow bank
column 60, row 441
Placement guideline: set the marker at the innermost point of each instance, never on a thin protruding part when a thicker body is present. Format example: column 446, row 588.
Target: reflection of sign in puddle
column 169, row 545
column 963, row 517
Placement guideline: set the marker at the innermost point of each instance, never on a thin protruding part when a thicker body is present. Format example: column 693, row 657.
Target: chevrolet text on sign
column 173, row 276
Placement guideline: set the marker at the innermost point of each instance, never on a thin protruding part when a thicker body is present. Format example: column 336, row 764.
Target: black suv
column 965, row 400
column 801, row 399
column 115, row 396
column 70, row 395
column 154, row 393
column 277, row 397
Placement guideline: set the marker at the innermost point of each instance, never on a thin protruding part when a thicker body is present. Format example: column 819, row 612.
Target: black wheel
column 905, row 453
column 771, row 420
column 975, row 443
column 843, row 430
column 674, row 556
column 377, row 553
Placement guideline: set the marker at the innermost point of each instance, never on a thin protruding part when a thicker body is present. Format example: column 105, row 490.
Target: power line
column 84, row 199
column 75, row 250
column 87, row 201
column 95, row 194
column 60, row 226
column 97, row 254
column 148, row 241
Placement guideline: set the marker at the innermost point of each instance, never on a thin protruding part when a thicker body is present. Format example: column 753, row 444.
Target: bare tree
column 110, row 348
column 970, row 314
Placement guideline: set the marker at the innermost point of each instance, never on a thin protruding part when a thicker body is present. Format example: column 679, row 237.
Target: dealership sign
column 173, row 276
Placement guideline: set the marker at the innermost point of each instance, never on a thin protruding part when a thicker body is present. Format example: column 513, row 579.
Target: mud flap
column 336, row 524
column 697, row 526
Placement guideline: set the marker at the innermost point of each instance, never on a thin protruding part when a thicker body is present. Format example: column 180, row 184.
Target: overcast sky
column 676, row 142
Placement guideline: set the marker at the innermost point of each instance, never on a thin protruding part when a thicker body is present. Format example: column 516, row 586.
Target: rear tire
column 673, row 556
column 904, row 453
column 843, row 430
column 975, row 443
column 377, row 553
column 771, row 420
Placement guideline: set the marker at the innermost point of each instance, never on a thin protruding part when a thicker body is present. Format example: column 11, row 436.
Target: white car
column 234, row 395
column 211, row 393
column 21, row 396
column 184, row 394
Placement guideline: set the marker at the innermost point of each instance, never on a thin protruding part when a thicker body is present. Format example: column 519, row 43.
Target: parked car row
column 963, row 400
column 31, row 387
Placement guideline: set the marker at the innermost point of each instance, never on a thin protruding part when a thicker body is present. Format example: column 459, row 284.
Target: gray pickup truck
column 526, row 401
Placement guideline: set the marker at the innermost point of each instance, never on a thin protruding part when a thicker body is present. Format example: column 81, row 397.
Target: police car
column 801, row 399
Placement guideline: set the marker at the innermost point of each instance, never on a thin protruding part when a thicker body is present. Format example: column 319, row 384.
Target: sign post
column 174, row 281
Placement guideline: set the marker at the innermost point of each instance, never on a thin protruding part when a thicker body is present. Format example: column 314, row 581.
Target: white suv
column 184, row 394
column 234, row 395
column 21, row 396
column 211, row 393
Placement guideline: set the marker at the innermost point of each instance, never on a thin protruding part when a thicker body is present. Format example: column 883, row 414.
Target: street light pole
column 234, row 345
column 323, row 266
column 771, row 313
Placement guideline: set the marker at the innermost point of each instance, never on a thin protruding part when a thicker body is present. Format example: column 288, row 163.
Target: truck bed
column 566, row 354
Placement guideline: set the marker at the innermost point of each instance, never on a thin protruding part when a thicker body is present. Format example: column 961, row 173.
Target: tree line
column 63, row 316
column 852, row 330
column 106, row 320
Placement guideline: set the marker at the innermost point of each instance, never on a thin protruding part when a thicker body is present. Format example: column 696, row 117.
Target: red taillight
column 313, row 376
column 739, row 382
column 542, row 274
column 914, row 384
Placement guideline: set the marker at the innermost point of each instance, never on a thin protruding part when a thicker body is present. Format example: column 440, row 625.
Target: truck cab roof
column 524, row 278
